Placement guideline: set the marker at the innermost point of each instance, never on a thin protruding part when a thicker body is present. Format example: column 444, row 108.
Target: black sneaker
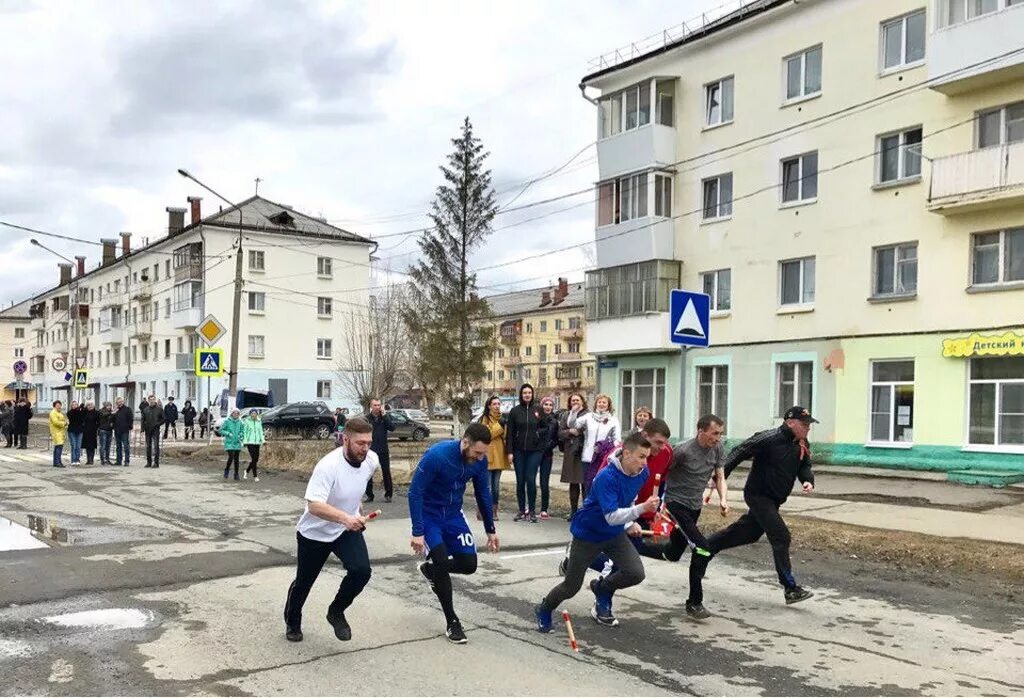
column 387, row 500
column 342, row 630
column 293, row 634
column 521, row 516
column 455, row 633
column 533, row 517
column 425, row 569
column 797, row 594
column 697, row 611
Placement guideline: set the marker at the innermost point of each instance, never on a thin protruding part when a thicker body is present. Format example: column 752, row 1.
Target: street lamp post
column 73, row 286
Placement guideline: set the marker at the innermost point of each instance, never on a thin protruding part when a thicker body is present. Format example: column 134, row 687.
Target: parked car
column 306, row 419
column 406, row 428
column 442, row 413
column 415, row 415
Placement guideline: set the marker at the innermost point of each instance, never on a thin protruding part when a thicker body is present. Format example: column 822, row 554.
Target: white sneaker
column 255, row 479
column 245, row 475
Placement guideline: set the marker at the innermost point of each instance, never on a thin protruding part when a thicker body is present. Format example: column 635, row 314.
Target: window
column 662, row 196
column 575, row 322
column 899, row 156
column 997, row 401
column 803, row 74
column 796, row 281
column 256, row 260
column 156, row 273
column 323, row 348
column 718, row 101
column 892, row 401
column 167, row 348
column 542, row 376
column 19, row 333
column 323, row 390
column 167, row 307
column 643, row 387
column 323, row 307
column 501, row 353
column 998, row 257
column 717, row 197
column 713, row 391
column 257, row 302
column 558, row 349
column 490, row 375
column 543, row 325
column 558, row 324
column 902, row 42
column 145, row 352
column 1002, row 125
column 665, row 95
column 543, row 353
column 718, row 285
column 630, row 289
column 181, row 344
column 574, row 347
column 800, row 178
column 626, row 110
column 896, row 270
column 529, row 328
column 622, row 199
column 19, row 353
column 957, row 11
column 501, row 375
column 793, row 386
column 529, row 351
column 323, row 267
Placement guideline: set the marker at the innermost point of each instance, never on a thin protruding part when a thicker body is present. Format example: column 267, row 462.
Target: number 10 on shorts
column 466, row 540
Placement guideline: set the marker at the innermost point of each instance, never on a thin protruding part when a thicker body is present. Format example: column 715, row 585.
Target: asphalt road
column 175, row 579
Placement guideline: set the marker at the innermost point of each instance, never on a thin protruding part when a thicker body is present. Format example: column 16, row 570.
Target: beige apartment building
column 540, row 339
column 14, row 342
column 845, row 179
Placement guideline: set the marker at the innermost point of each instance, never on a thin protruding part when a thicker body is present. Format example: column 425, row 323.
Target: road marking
column 556, row 551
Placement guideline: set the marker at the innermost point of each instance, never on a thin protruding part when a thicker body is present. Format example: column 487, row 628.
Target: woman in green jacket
column 231, row 430
column 252, row 437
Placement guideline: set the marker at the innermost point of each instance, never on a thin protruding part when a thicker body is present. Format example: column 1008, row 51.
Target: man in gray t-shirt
column 692, row 466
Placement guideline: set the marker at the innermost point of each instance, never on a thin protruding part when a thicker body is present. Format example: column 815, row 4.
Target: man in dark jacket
column 90, row 431
column 381, row 424
column 7, row 422
column 22, row 413
column 152, row 419
column 171, row 417
column 106, row 432
column 123, row 421
column 525, row 437
column 780, row 456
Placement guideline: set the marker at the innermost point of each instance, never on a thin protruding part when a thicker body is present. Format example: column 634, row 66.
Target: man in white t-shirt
column 333, row 523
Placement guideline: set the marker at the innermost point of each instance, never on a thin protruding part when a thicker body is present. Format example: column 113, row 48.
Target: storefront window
column 892, row 401
column 997, row 401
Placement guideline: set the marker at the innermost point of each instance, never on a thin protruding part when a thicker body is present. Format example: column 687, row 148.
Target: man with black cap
column 780, row 456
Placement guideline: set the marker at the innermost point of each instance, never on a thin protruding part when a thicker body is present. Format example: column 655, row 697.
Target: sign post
column 689, row 326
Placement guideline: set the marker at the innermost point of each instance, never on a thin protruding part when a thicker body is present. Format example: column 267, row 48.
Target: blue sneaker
column 543, row 616
column 602, row 610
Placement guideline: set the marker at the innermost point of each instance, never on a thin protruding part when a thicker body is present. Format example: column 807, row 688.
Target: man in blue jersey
column 439, row 528
column 603, row 525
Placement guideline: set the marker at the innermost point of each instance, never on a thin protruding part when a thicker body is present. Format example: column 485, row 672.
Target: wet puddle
column 14, row 536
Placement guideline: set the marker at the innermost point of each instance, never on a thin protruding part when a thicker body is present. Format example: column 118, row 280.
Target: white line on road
column 556, row 551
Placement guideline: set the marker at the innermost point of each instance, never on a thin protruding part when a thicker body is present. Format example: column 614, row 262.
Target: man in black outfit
column 381, row 424
column 171, row 417
column 123, row 421
column 152, row 419
column 780, row 456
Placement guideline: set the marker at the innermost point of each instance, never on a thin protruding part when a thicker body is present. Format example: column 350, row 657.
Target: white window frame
column 801, row 160
column 1001, row 279
column 968, row 11
column 799, row 367
column 716, row 382
column 903, row 64
column 892, row 386
column 995, row 446
column 324, row 348
column 621, row 100
column 802, row 57
column 257, row 303
column 324, row 268
column 324, row 307
column 663, row 187
column 257, row 261
column 723, row 85
column 628, row 406
column 721, row 214
column 803, row 302
column 323, row 389
column 1003, row 124
column 715, row 276
column 257, row 345
column 902, row 177
column 896, row 270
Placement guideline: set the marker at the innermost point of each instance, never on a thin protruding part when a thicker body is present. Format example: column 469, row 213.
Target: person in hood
column 231, row 430
column 171, row 417
column 524, row 443
column 549, row 440
column 188, row 417
column 604, row 525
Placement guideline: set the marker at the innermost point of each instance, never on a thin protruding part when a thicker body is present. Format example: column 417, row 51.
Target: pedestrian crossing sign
column 210, row 362
column 81, row 378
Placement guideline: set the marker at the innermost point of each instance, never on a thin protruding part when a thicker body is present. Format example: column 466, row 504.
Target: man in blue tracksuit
column 603, row 525
column 439, row 528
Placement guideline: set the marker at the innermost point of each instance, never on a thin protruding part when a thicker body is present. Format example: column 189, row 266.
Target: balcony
column 113, row 335
column 59, row 347
column 143, row 328
column 184, row 362
column 568, row 382
column 632, row 334
column 571, row 334
column 647, row 147
column 190, row 271
column 508, row 361
column 570, row 356
column 637, row 240
column 508, row 385
column 143, row 290
column 978, row 180
column 960, row 57
column 187, row 318
column 511, row 338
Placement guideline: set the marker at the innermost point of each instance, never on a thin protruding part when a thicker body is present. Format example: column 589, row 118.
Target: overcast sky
column 344, row 110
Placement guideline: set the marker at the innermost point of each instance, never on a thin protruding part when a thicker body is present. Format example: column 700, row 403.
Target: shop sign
column 1007, row 344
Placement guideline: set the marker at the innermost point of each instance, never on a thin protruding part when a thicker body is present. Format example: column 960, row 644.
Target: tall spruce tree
column 445, row 307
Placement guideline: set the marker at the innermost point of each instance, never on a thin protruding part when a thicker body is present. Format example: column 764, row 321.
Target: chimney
column 126, row 244
column 65, row 272
column 175, row 220
column 563, row 286
column 81, row 266
column 545, row 298
column 196, row 209
column 109, row 251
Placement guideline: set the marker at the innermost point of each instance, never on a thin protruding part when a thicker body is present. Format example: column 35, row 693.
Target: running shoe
column 544, row 516
column 543, row 616
column 426, row 570
column 245, row 475
column 520, row 516
column 533, row 517
column 697, row 611
column 797, row 594
column 342, row 630
column 293, row 634
column 602, row 610
column 455, row 633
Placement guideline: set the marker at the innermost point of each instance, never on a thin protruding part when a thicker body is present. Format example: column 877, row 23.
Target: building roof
column 19, row 312
column 529, row 301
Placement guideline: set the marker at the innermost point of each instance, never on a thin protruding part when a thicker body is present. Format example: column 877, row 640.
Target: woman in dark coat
column 571, row 428
column 22, row 413
column 188, row 415
column 90, row 428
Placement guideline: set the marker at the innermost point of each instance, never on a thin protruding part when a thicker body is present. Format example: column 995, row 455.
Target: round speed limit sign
column 59, row 364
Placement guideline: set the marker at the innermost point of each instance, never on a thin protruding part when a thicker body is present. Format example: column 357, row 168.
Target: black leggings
column 574, row 496
column 350, row 548
column 440, row 568
column 762, row 518
column 232, row 459
column 254, row 458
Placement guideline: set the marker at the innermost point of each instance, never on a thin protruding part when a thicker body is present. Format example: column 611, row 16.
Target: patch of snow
column 105, row 618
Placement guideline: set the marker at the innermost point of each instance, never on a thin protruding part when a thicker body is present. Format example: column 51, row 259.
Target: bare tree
column 375, row 346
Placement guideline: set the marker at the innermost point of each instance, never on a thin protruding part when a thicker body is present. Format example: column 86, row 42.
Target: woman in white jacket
column 601, row 425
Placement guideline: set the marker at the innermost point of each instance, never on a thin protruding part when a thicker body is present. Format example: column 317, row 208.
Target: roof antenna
column 258, row 180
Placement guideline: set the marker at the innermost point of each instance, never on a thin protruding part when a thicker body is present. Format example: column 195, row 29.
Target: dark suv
column 306, row 419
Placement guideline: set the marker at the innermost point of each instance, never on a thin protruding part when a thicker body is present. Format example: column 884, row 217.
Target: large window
column 718, row 285
column 631, row 289
column 323, row 348
column 631, row 108
column 998, row 258
column 1001, row 125
column 257, row 301
column 803, row 73
column 800, row 178
column 713, row 391
column 642, row 387
column 892, row 402
column 997, row 401
column 256, row 346
column 895, row 270
column 718, row 102
column 793, row 386
column 622, row 199
column 796, row 281
column 899, row 156
column 902, row 42
column 323, row 390
column 957, row 11
column 187, row 295
column 717, row 197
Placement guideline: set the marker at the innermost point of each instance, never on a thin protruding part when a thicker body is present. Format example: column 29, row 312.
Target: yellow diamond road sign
column 210, row 329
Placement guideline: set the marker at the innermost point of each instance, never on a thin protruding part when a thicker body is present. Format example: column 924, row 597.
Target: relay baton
column 572, row 635
column 374, row 515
